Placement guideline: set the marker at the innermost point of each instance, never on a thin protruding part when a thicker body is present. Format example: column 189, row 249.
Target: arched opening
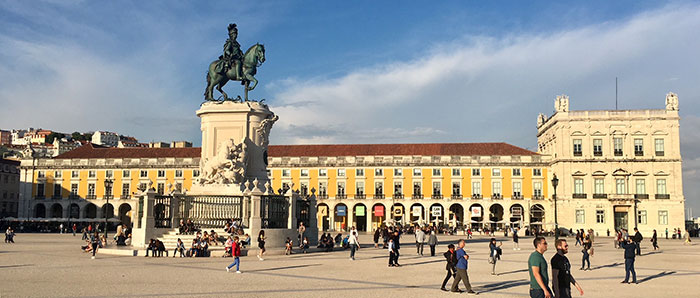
column 56, row 211
column 108, row 211
column 417, row 214
column 496, row 217
column 360, row 216
column 378, row 215
column 536, row 217
column 436, row 215
column 397, row 213
column 40, row 211
column 517, row 215
column 322, row 218
column 90, row 211
column 340, row 218
column 456, row 215
column 476, row 216
column 74, row 211
column 125, row 214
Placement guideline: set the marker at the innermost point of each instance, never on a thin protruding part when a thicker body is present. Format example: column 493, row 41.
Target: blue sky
column 350, row 71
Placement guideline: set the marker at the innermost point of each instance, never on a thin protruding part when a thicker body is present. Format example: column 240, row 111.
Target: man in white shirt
column 420, row 241
column 354, row 244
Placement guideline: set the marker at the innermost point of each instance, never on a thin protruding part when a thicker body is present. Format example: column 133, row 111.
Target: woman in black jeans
column 95, row 242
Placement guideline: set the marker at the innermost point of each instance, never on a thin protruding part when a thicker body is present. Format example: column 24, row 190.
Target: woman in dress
column 261, row 244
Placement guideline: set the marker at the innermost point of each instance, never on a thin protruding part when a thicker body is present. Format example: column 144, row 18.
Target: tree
column 53, row 135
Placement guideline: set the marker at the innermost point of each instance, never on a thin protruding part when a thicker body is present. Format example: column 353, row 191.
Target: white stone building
column 105, row 138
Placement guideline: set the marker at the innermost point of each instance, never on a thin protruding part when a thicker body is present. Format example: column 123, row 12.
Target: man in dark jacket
column 629, row 260
column 397, row 246
column 451, row 259
column 638, row 241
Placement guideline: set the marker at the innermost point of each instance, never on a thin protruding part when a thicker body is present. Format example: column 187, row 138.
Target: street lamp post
column 108, row 186
column 555, row 182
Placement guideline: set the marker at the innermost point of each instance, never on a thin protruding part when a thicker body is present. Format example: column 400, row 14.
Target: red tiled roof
column 96, row 151
column 465, row 149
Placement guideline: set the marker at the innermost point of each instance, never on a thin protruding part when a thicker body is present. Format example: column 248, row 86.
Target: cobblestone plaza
column 51, row 265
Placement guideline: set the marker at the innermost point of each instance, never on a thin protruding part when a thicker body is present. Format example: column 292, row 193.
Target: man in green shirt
column 537, row 267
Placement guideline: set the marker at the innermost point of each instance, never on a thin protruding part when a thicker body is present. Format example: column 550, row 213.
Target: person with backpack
column 450, row 266
column 236, row 254
column 494, row 254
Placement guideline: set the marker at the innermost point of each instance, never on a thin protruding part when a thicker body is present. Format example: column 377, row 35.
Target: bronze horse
column 252, row 59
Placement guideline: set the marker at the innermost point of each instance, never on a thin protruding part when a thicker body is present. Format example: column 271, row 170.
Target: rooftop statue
column 234, row 65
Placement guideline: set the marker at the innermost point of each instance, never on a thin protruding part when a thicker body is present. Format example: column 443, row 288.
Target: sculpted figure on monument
column 671, row 101
column 227, row 166
column 234, row 65
column 264, row 129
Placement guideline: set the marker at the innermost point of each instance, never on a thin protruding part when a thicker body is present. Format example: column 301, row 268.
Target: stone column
column 143, row 233
column 175, row 208
column 368, row 219
column 350, row 217
column 291, row 198
column 312, row 225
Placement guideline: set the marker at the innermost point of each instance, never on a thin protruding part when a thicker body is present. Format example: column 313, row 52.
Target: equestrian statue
column 234, row 65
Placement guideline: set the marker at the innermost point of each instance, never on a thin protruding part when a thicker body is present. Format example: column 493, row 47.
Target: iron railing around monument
column 211, row 211
column 273, row 212
column 161, row 211
column 303, row 210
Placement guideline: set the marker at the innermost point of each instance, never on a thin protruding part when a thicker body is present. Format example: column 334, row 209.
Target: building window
column 360, row 172
column 378, row 188
column 74, row 174
column 74, row 189
column 578, row 147
column 496, row 172
column 195, row 173
column 398, row 172
column 416, row 188
column 322, row 188
column 537, row 172
column 456, row 188
column 516, row 172
column 161, row 188
column 91, row 190
column 476, row 188
column 304, row 172
column 642, row 217
column 497, row 188
column 416, row 172
column 125, row 189
column 57, row 174
column 617, row 143
column 437, row 173
column 40, row 190
column 322, row 172
column 638, row 147
column 398, row 187
column 599, row 186
column 161, row 173
column 641, row 187
column 537, row 189
column 600, row 216
column 437, row 188
column 517, row 189
column 620, row 187
column 598, row 147
column 92, row 174
column 341, row 188
column 178, row 173
column 456, row 172
column 659, row 147
column 286, row 172
column 304, row 188
column 341, row 172
column 143, row 174
column 379, row 172
column 126, row 173
column 578, row 186
column 360, row 187
column 109, row 174
column 663, row 217
column 476, row 172
column 57, row 190
column 580, row 216
column 661, row 186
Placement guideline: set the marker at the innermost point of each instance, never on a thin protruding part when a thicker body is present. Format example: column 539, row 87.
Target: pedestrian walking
column 630, row 249
column 420, row 241
column 666, row 233
column 561, row 272
column 494, row 254
column 432, row 242
column 9, row 235
column 392, row 253
column 236, row 254
column 687, row 238
column 450, row 266
column 578, row 238
column 60, row 228
column 516, row 246
column 354, row 244
column 678, row 233
column 302, row 230
column 654, row 241
column 75, row 227
column 462, row 265
column 305, row 245
column 397, row 247
column 638, row 241
column 586, row 258
column 377, row 234
column 261, row 245
column 537, row 268
column 95, row 242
